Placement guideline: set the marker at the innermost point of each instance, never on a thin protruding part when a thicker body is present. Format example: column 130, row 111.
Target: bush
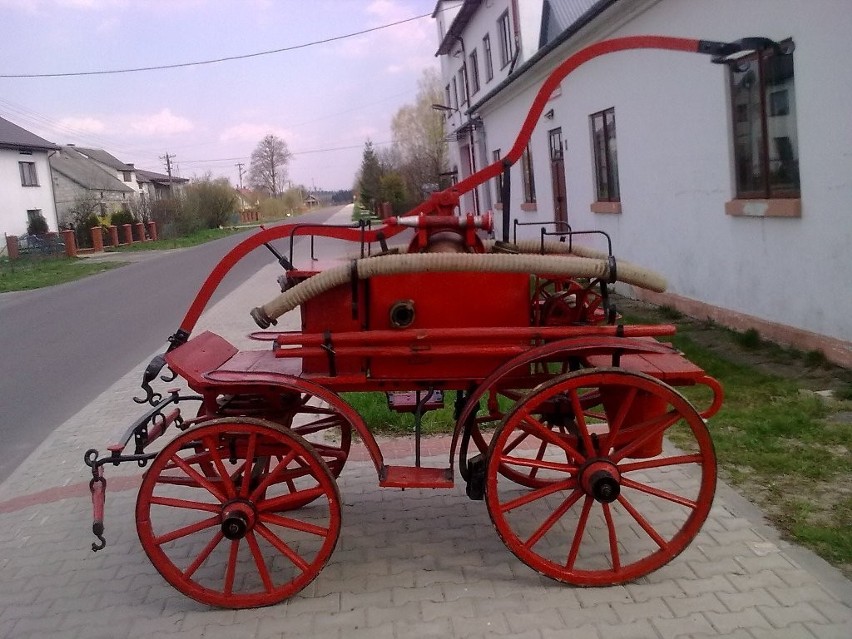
column 120, row 218
column 83, row 231
column 37, row 225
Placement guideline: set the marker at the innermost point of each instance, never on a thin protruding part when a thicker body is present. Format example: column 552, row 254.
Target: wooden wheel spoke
column 580, row 420
column 212, row 447
column 203, row 555
column 649, row 430
column 231, row 567
column 579, row 532
column 284, row 502
column 644, row 523
column 319, row 425
column 676, row 460
column 555, row 516
column 187, row 530
column 539, row 493
column 613, row 538
column 616, row 423
column 272, row 476
column 517, row 441
column 200, row 480
column 259, row 562
column 282, row 547
column 538, row 464
column 294, row 524
column 537, row 429
column 658, row 492
column 246, row 480
column 185, row 503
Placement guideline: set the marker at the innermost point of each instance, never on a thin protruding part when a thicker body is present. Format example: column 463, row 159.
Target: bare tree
column 419, row 147
column 268, row 169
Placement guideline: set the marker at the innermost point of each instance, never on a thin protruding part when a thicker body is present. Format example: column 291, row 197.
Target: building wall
column 68, row 193
column 16, row 200
column 675, row 160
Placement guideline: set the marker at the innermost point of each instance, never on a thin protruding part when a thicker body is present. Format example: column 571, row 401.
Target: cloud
column 164, row 123
column 82, row 125
column 253, row 132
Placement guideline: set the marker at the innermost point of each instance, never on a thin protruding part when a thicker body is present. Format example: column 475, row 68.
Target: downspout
column 470, row 137
column 50, row 154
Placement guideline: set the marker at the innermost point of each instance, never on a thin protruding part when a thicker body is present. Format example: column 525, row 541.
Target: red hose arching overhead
column 689, row 45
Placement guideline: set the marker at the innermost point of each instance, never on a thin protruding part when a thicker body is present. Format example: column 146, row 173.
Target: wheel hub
column 237, row 520
column 601, row 480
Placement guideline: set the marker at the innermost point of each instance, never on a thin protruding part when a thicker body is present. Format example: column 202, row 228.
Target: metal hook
column 98, row 530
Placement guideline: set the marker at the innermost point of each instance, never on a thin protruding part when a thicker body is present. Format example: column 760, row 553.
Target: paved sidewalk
column 413, row 563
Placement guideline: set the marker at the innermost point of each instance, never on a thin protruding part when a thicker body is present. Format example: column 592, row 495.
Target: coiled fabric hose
column 551, row 265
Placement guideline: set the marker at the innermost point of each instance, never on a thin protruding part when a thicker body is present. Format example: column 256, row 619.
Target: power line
column 215, row 60
column 308, row 152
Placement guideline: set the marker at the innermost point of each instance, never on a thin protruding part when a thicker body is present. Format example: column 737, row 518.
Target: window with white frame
column 29, row 177
column 763, row 108
column 504, row 31
column 462, row 86
column 489, row 60
column 527, row 176
column 498, row 181
column 605, row 156
column 473, row 64
column 455, row 94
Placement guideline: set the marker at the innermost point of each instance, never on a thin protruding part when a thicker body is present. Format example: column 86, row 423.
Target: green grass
column 193, row 239
column 373, row 407
column 29, row 273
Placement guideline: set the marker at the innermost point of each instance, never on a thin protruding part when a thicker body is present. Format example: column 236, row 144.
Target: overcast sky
column 320, row 99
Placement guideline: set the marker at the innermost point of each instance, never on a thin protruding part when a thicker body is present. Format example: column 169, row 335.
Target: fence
column 65, row 242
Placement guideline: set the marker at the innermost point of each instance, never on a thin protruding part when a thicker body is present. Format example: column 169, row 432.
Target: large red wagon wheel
column 614, row 502
column 223, row 540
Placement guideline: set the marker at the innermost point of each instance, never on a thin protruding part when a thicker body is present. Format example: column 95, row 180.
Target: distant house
column 158, row 186
column 310, row 201
column 26, row 189
column 126, row 173
column 78, row 178
column 246, row 199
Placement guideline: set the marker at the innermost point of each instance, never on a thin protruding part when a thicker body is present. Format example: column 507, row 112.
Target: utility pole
column 168, row 160
column 240, row 166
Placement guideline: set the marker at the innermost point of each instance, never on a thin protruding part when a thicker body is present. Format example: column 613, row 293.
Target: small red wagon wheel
column 222, row 540
column 566, row 301
column 615, row 502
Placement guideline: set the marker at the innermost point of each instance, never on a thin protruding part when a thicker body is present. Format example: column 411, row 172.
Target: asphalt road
column 63, row 345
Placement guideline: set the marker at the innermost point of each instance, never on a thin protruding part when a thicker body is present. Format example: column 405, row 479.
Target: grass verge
column 37, row 272
column 193, row 239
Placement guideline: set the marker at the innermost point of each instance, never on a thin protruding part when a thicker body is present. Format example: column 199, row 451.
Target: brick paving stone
column 602, row 613
column 704, row 569
column 593, row 596
column 684, row 606
column 447, row 609
column 521, row 622
column 795, row 631
column 717, row 583
column 586, row 631
column 749, row 599
column 726, row 622
column 378, row 616
column 694, row 624
column 494, row 624
column 789, row 596
column 638, row 629
column 835, row 611
column 435, row 629
column 829, row 631
column 744, row 582
column 783, row 616
column 651, row 609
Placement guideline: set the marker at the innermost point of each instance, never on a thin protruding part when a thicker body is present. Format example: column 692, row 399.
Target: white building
column 733, row 180
column 26, row 189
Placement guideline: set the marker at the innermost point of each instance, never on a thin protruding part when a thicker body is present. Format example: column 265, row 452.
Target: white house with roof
column 732, row 180
column 26, row 189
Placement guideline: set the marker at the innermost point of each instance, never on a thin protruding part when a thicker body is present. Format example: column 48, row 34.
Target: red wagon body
column 594, row 469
